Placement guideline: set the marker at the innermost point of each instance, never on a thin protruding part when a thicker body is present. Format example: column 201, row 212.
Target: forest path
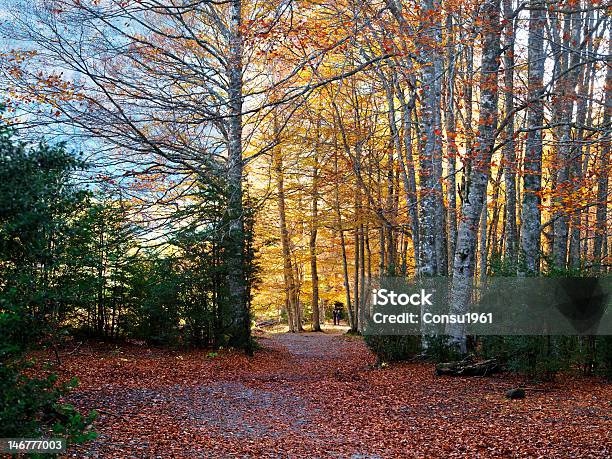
column 318, row 395
column 311, row 345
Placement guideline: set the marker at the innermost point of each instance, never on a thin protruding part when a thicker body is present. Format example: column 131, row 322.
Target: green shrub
column 394, row 348
column 603, row 356
column 31, row 406
column 38, row 205
column 542, row 357
column 439, row 349
column 539, row 357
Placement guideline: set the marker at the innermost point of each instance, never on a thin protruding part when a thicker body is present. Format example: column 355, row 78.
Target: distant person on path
column 336, row 314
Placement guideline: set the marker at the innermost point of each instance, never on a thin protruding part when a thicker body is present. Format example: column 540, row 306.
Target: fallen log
column 267, row 323
column 468, row 367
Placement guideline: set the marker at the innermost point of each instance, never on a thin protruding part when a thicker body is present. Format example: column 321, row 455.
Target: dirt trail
column 317, row 395
column 319, row 346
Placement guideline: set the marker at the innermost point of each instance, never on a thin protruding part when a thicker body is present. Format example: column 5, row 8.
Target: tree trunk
column 452, row 151
column 511, row 238
column 362, row 280
column 492, row 238
column 347, row 285
column 358, row 249
column 601, row 227
column 467, row 125
column 288, row 272
column 314, row 275
column 531, row 214
column 390, row 256
column 463, row 267
column 482, row 243
column 579, row 245
column 238, row 327
column 563, row 105
column 430, row 159
column 408, row 174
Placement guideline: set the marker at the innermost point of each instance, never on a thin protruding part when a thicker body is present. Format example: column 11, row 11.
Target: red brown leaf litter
column 319, row 395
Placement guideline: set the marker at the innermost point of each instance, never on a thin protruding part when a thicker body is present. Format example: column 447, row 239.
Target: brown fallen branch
column 468, row 367
column 536, row 389
column 75, row 349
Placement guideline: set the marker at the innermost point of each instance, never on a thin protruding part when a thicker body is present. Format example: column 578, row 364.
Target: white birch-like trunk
column 430, row 159
column 532, row 181
column 451, row 151
column 463, row 268
column 509, row 155
column 599, row 246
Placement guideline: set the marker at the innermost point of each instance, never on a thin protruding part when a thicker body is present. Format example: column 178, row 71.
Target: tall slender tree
column 532, row 175
column 509, row 155
column 465, row 256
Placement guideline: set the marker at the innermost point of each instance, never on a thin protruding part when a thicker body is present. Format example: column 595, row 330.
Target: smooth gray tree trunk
column 599, row 246
column 532, row 181
column 430, row 161
column 238, row 325
column 465, row 257
column 408, row 174
column 451, row 146
column 509, row 155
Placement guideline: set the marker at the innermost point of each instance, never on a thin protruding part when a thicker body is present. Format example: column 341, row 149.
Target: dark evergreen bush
column 393, row 348
column 37, row 206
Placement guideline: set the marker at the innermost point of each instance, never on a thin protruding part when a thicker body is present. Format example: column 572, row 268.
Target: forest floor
column 319, row 395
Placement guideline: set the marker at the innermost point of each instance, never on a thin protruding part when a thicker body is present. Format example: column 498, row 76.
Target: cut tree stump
column 468, row 367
